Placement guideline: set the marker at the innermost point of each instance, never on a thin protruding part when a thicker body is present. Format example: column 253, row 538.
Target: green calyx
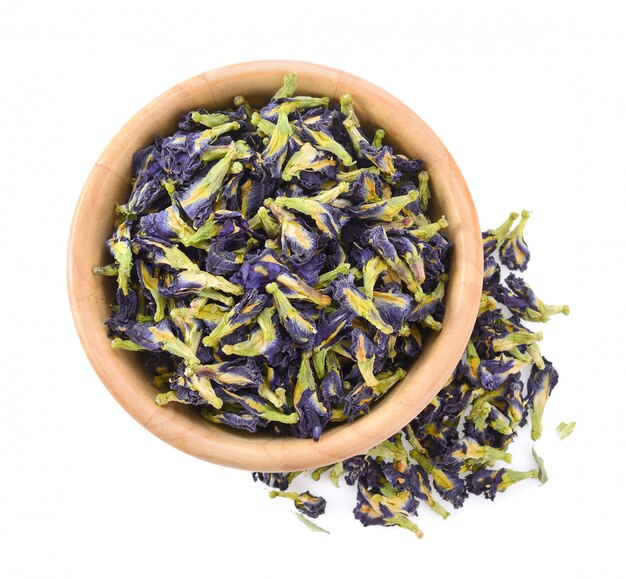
column 210, row 120
column 164, row 398
column 347, row 110
column 377, row 141
column 290, row 82
column 120, row 344
column 427, row 232
column 518, row 231
column 175, row 346
column 263, row 125
column 542, row 475
column 106, row 270
column 333, row 274
column 500, row 233
column 516, row 339
column 286, row 311
column 310, row 524
column 356, row 138
column 510, row 477
column 327, row 143
column 565, row 429
column 329, row 196
column 424, row 189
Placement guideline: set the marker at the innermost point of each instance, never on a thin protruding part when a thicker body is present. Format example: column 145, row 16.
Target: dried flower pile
column 459, row 445
column 277, row 263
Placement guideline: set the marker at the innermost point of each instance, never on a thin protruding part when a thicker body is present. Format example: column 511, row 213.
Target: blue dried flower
column 514, row 252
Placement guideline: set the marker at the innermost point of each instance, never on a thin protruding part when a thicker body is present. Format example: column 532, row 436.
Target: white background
column 530, row 99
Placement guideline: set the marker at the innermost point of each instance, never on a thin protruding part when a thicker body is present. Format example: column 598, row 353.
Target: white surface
column 529, row 97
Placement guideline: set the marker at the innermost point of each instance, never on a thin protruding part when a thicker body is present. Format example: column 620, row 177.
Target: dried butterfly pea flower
column 197, row 282
column 277, row 397
column 297, row 240
column 493, row 238
column 377, row 239
column 489, row 482
column 493, row 373
column 162, row 253
column 166, row 225
column 149, row 281
column 280, row 481
column 428, row 231
column 430, row 304
column 455, row 444
column 513, row 339
column 277, row 148
column 313, row 415
column 209, row 120
column 152, row 337
column 348, row 295
column 197, row 201
column 384, row 210
column 264, row 127
column 324, row 141
column 288, row 87
column 326, row 278
column 300, row 327
column 446, row 480
column 513, row 250
column 120, row 247
column 307, row 158
column 263, row 341
column 393, row 307
column 256, row 406
column 367, row 186
column 383, row 158
column 365, row 355
column 146, row 185
column 471, row 449
column 378, row 509
column 371, row 272
column 331, row 387
column 188, row 384
column 247, row 309
column 331, row 326
column 540, row 385
column 235, row 420
column 409, row 253
column 292, row 104
column 306, row 503
column 521, row 300
column 491, row 274
column 324, row 216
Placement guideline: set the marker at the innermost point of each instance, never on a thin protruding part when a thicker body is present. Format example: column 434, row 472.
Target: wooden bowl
column 123, row 373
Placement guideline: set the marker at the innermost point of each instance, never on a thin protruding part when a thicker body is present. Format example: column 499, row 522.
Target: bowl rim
column 262, row 452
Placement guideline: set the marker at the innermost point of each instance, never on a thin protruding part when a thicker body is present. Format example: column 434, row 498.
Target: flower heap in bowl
column 276, row 262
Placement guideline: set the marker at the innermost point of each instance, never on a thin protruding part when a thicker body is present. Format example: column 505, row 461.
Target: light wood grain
column 122, row 372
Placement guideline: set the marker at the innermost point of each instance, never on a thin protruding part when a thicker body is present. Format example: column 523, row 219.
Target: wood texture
column 122, row 372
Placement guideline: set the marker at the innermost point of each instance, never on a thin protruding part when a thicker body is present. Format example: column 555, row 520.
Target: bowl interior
column 123, row 373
